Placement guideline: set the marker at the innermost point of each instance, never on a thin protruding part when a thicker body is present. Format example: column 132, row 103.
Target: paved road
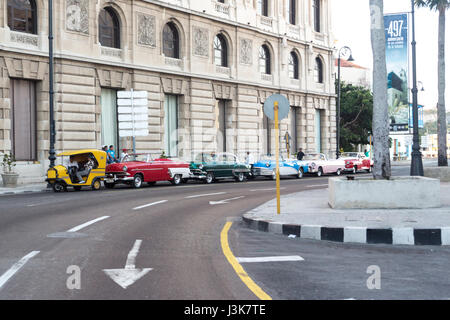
column 169, row 239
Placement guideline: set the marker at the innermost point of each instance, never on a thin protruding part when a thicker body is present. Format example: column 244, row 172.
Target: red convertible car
column 356, row 161
column 144, row 169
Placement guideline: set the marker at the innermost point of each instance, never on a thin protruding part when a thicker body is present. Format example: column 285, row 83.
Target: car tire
column 300, row 173
column 338, row 172
column 137, row 181
column 354, row 170
column 240, row 177
column 209, row 178
column 274, row 175
column 370, row 169
column 96, row 185
column 320, row 172
column 109, row 185
column 59, row 187
column 176, row 180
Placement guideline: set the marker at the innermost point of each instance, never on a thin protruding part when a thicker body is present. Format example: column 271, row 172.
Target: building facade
column 207, row 66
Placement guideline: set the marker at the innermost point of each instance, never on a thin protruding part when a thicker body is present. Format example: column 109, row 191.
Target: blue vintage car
column 288, row 167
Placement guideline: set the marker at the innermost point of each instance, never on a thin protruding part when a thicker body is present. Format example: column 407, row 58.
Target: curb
column 8, row 193
column 393, row 236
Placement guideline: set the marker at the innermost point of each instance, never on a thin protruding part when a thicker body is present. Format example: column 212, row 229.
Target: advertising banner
column 396, row 29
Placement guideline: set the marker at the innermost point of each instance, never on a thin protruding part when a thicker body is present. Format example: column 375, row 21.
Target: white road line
column 270, row 259
column 16, row 267
column 269, row 189
column 150, row 204
column 84, row 225
column 130, row 264
column 204, row 195
column 225, row 201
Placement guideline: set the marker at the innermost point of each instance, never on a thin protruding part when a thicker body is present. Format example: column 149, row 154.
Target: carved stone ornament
column 77, row 16
column 201, row 41
column 146, row 30
column 245, row 52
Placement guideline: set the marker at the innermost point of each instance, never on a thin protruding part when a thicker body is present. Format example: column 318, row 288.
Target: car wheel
column 338, row 172
column 137, row 181
column 370, row 169
column 59, row 187
column 320, row 172
column 274, row 175
column 354, row 170
column 96, row 185
column 209, row 178
column 176, row 180
column 300, row 173
column 240, row 177
column 109, row 185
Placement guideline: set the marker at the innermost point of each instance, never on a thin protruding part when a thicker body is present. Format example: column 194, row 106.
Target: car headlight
column 124, row 168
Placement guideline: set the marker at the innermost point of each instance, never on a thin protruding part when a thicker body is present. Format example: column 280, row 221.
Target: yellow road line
column 237, row 267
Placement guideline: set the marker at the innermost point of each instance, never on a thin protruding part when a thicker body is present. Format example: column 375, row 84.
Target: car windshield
column 266, row 157
column 312, row 156
column 138, row 157
column 349, row 155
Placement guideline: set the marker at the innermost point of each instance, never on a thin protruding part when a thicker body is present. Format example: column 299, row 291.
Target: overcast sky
column 351, row 27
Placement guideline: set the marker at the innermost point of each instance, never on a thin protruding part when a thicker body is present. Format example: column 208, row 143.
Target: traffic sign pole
column 277, row 155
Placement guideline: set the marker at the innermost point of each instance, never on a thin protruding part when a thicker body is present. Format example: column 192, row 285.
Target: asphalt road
column 164, row 242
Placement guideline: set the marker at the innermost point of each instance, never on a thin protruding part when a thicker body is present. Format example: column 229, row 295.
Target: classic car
column 356, row 161
column 319, row 164
column 266, row 166
column 145, row 169
column 215, row 166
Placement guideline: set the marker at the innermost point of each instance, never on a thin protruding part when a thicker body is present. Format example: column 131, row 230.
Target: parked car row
column 88, row 168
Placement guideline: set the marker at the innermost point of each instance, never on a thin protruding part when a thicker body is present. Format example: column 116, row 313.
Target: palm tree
column 380, row 123
column 441, row 6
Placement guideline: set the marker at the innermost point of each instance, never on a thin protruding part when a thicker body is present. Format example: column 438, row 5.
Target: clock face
column 73, row 18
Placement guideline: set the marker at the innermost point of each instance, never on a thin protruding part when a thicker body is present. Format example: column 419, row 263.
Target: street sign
column 283, row 107
column 132, row 113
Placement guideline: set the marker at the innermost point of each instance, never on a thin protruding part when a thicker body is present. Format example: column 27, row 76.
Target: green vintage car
column 215, row 166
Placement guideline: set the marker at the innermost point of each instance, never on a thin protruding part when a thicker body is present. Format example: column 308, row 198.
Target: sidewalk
column 308, row 215
column 24, row 188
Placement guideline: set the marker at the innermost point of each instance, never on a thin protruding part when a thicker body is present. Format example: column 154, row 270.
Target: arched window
column 220, row 51
column 318, row 70
column 109, row 28
column 263, row 7
column 171, row 41
column 22, row 16
column 317, row 14
column 264, row 60
column 293, row 66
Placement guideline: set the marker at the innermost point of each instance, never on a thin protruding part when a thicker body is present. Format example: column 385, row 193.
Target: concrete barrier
column 441, row 173
column 397, row 193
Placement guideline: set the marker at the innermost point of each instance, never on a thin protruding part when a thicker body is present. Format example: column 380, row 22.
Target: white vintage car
column 319, row 164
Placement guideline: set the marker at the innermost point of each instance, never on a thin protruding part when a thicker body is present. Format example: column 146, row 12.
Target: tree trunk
column 442, row 117
column 382, row 161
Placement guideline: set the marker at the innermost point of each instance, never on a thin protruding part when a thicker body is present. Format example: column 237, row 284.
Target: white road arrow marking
column 126, row 277
column 224, row 201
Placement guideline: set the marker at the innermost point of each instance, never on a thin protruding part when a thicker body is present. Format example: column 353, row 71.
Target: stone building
column 207, row 65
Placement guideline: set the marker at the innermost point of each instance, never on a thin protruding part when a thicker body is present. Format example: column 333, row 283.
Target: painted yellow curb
column 237, row 267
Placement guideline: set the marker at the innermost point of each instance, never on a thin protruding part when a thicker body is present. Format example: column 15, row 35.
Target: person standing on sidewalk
column 300, row 154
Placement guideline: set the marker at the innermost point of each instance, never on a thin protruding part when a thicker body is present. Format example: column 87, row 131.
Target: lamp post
column 416, row 155
column 343, row 52
column 52, row 152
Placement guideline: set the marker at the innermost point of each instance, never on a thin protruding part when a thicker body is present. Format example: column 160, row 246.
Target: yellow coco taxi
column 82, row 168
